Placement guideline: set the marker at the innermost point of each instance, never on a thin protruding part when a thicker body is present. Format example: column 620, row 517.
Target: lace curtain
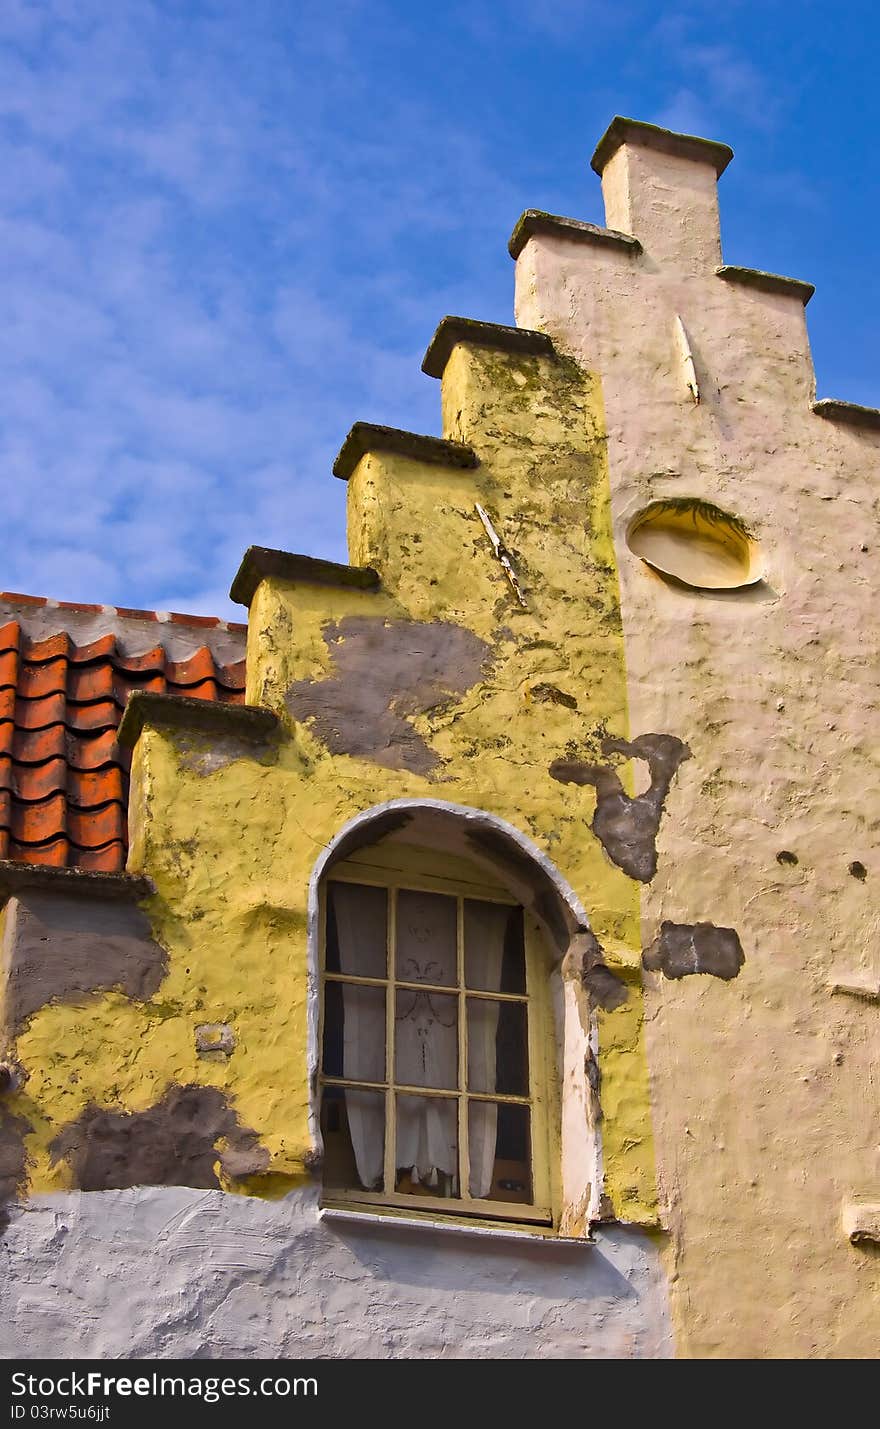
column 426, row 1034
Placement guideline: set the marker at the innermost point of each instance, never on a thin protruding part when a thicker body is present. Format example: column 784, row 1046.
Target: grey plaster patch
column 585, row 961
column 544, row 694
column 12, row 1076
column 384, row 673
column 13, row 1160
column 627, row 826
column 206, row 756
column 173, row 1143
column 605, row 988
column 173, row 1272
column 58, row 949
column 215, row 1038
column 682, row 949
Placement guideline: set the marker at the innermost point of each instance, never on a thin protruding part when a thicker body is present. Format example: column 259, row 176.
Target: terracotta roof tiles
column 63, row 777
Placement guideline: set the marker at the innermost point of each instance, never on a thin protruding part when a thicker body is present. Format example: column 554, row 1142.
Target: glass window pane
column 426, row 1039
column 426, row 938
column 497, row 1047
column 353, row 1132
column 499, row 1147
column 427, row 1146
column 354, row 1031
column 357, row 922
column 494, row 949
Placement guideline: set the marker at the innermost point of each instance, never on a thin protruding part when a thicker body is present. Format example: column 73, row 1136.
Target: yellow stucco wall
column 230, row 839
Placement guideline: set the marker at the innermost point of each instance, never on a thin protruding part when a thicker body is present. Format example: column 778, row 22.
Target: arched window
column 438, row 1058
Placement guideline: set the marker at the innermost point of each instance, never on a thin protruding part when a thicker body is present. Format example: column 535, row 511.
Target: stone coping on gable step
column 519, row 340
column 849, row 412
column 367, row 437
column 767, row 282
column 260, row 562
column 664, row 141
column 18, row 878
column 534, row 222
column 251, row 722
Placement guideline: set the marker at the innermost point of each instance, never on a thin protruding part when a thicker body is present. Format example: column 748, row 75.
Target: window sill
column 390, row 1219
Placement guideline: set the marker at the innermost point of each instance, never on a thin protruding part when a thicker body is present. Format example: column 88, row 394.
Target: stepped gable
column 63, row 777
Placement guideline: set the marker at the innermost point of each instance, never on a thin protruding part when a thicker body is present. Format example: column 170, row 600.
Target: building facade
column 487, row 966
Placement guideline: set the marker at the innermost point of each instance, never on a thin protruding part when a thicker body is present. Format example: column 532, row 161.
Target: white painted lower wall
column 173, row 1272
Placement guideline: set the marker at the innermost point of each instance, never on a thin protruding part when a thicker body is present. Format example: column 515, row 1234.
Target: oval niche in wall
column 696, row 543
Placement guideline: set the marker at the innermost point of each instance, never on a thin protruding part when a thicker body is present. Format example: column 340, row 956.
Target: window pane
column 354, row 1032
column 426, row 938
column 353, row 1132
column 357, row 922
column 427, row 1146
column 497, row 1048
column 494, row 949
column 426, row 1039
column 500, row 1152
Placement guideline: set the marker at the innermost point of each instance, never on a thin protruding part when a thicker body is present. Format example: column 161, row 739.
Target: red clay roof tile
column 63, row 777
column 53, row 854
column 110, row 859
column 96, row 752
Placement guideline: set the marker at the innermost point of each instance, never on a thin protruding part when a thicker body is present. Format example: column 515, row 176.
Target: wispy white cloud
column 209, row 276
column 712, row 81
column 230, row 226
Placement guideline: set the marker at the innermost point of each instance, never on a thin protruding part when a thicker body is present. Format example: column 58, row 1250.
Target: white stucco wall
column 760, row 1085
column 173, row 1272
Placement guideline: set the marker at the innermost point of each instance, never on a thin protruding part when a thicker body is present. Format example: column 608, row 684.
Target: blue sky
column 229, row 229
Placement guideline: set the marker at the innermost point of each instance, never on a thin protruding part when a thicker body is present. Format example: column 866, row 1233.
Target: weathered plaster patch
column 682, row 949
column 627, row 827
column 59, row 949
column 174, row 1143
column 544, row 693
column 214, row 1039
column 861, row 1223
column 605, row 988
column 12, row 1076
column 585, row 960
column 13, row 1160
column 205, row 756
column 385, row 672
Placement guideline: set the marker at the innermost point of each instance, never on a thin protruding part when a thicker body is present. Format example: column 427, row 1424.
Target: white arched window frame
column 566, row 1148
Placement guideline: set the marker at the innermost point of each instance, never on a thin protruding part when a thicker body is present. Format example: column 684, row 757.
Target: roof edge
column 262, row 562
column 535, row 222
column 251, row 722
column 18, row 877
column 367, row 437
column 123, row 612
column 766, row 282
column 664, row 141
column 835, row 410
column 521, row 341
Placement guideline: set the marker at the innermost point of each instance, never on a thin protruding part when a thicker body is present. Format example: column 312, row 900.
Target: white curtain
column 485, row 927
column 426, row 1034
column 360, row 921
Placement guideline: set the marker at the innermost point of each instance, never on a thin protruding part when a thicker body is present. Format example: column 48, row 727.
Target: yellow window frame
column 407, row 868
